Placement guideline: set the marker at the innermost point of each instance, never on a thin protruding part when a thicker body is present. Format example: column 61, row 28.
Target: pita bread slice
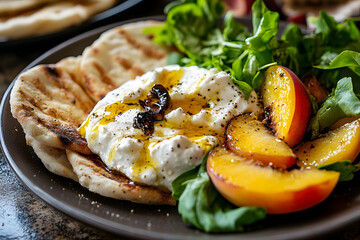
column 54, row 159
column 52, row 17
column 119, row 55
column 93, row 175
column 18, row 6
column 50, row 105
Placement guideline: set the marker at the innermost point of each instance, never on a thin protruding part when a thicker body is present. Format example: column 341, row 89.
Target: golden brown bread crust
column 54, row 159
column 50, row 106
column 120, row 55
column 93, row 174
column 24, row 18
column 52, row 101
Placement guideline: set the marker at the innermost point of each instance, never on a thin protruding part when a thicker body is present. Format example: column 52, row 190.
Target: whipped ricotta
column 202, row 103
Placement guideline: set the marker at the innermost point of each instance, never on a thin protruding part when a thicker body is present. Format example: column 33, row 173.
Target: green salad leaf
column 337, row 35
column 331, row 37
column 334, row 67
column 179, row 184
column 193, row 27
column 201, row 205
column 341, row 103
column 344, row 59
column 345, row 169
column 297, row 59
column 344, row 99
column 233, row 31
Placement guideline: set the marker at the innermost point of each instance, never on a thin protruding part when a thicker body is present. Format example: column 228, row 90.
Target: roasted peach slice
column 337, row 145
column 342, row 122
column 244, row 183
column 248, row 137
column 314, row 87
column 287, row 104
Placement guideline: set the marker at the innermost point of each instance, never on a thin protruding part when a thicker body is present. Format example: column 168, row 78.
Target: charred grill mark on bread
column 146, row 50
column 103, row 76
column 38, row 86
column 70, row 138
column 50, row 101
column 68, row 135
column 125, row 63
column 109, row 83
column 39, row 102
column 127, row 186
column 129, row 66
column 52, row 71
column 73, row 97
column 45, row 103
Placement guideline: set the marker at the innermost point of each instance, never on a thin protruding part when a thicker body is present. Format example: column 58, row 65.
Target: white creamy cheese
column 202, row 103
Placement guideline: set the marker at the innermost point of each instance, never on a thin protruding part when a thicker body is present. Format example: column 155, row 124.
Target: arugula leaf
column 258, row 10
column 344, row 59
column 334, row 67
column 192, row 26
column 326, row 25
column 345, row 169
column 321, row 47
column 233, row 31
column 336, row 35
column 257, row 49
column 341, row 103
column 201, row 205
column 293, row 35
column 190, row 23
column 267, row 29
column 297, row 59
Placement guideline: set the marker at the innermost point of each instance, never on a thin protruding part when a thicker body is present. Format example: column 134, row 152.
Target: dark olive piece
column 145, row 122
column 158, row 100
column 160, row 93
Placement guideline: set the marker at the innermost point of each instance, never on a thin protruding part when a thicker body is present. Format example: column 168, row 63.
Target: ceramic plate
column 119, row 8
column 154, row 222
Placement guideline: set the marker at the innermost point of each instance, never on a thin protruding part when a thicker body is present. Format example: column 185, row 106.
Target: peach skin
column 244, row 183
column 287, row 104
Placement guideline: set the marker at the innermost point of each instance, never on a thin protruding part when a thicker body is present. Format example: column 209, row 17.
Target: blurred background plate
column 96, row 20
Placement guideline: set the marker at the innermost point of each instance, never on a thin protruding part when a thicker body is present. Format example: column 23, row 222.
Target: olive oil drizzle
column 191, row 106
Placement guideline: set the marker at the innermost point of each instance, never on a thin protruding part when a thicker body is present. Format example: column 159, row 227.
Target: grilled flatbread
column 48, row 16
column 51, row 102
column 18, row 6
column 50, row 105
column 93, row 175
column 54, row 159
column 118, row 56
